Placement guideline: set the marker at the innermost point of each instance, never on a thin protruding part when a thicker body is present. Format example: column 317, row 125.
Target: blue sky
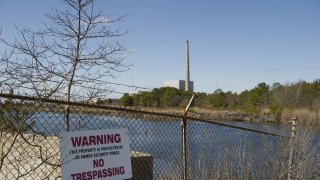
column 234, row 45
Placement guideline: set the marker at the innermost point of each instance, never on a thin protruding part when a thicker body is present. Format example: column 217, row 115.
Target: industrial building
column 179, row 84
column 186, row 85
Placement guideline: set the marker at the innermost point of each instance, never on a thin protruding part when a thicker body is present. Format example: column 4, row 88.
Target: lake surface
column 209, row 146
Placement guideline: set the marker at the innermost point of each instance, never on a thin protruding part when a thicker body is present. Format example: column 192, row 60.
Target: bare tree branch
column 77, row 46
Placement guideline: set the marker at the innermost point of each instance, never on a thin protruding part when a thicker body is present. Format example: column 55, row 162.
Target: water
column 209, row 145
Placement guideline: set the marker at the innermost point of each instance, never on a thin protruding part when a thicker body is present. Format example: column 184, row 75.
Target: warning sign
column 95, row 154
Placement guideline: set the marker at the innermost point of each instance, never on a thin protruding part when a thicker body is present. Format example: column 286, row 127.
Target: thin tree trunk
column 73, row 71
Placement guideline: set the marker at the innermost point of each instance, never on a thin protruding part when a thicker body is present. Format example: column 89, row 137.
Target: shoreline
column 305, row 116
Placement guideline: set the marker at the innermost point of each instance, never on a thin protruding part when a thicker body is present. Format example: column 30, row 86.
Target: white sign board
column 95, row 154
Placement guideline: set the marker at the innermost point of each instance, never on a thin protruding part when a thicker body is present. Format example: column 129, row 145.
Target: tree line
column 273, row 97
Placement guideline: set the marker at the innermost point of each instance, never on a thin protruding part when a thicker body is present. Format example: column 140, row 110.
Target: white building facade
column 179, row 84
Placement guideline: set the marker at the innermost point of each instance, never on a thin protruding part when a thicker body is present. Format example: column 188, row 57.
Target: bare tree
column 68, row 58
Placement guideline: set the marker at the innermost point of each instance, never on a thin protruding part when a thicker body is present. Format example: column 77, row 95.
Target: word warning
column 95, row 154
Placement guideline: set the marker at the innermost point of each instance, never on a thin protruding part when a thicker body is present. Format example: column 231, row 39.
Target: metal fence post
column 292, row 137
column 67, row 118
column 184, row 140
column 184, row 146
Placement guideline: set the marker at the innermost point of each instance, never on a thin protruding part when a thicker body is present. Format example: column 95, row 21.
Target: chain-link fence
column 30, row 147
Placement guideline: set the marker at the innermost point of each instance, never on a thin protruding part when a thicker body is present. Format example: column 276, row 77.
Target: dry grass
column 306, row 159
column 305, row 117
column 273, row 164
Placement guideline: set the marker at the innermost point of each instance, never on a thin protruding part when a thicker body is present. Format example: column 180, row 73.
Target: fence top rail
column 238, row 127
column 88, row 105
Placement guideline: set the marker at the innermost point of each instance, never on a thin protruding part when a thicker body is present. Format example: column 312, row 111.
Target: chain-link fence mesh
column 30, row 147
column 231, row 152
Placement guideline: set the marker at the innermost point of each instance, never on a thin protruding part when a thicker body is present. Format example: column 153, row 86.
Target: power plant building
column 179, row 84
column 185, row 85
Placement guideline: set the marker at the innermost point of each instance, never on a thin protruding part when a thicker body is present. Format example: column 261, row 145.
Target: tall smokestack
column 187, row 83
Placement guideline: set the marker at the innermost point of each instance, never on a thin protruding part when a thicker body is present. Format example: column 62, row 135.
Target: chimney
column 187, row 83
